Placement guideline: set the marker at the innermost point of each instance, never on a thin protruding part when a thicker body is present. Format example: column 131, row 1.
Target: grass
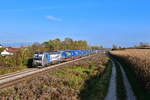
column 60, row 74
column 22, row 67
column 121, row 92
column 27, row 63
column 82, row 70
column 97, row 86
column 6, row 70
column 73, row 76
column 92, row 84
column 138, row 89
column 70, row 82
column 73, row 82
column 76, row 75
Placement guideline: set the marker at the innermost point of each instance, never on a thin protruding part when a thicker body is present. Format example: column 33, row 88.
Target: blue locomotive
column 43, row 59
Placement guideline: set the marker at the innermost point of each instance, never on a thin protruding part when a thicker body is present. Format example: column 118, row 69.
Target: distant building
column 25, row 48
column 9, row 51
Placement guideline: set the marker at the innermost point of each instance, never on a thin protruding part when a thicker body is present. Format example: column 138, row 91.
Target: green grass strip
column 97, row 87
column 121, row 92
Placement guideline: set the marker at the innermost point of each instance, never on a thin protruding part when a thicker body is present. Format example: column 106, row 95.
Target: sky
column 100, row 22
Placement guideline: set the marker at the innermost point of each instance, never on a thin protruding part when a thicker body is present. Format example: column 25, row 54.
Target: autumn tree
column 114, row 47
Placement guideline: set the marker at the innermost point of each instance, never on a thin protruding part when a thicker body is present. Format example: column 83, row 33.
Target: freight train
column 43, row 59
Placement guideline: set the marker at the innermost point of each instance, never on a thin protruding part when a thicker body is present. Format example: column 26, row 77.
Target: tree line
column 23, row 58
column 142, row 45
column 67, row 44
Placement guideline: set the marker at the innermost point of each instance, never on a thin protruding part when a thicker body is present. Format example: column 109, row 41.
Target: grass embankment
column 139, row 91
column 27, row 63
column 121, row 92
column 97, row 86
column 6, row 70
column 87, row 79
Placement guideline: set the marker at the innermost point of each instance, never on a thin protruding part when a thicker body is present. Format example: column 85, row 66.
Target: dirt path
column 111, row 95
column 130, row 94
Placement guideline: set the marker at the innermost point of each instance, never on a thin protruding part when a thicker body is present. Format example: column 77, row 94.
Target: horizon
column 16, row 44
column 29, row 43
column 123, row 23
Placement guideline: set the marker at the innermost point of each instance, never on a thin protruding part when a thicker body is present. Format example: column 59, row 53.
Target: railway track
column 15, row 77
column 16, row 73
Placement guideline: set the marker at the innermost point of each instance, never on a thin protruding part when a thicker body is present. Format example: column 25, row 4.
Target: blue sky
column 100, row 22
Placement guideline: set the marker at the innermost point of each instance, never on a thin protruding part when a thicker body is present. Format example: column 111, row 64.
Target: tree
column 57, row 44
column 36, row 44
column 144, row 44
column 101, row 47
column 68, row 43
column 114, row 47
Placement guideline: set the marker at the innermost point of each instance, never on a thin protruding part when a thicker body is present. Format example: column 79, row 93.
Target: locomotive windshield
column 37, row 57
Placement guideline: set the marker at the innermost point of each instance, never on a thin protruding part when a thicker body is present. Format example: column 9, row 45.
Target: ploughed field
column 139, row 61
column 84, row 79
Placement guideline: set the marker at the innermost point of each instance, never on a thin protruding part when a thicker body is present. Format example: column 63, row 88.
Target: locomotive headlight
column 37, row 62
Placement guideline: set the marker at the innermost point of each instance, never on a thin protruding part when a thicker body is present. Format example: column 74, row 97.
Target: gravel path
column 130, row 94
column 111, row 95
